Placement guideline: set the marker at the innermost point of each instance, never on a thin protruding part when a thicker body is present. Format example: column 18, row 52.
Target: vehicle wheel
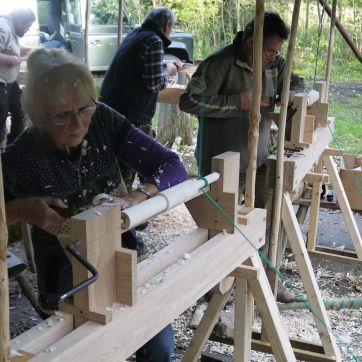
column 178, row 78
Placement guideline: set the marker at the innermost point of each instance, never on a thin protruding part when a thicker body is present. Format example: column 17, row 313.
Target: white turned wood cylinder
column 165, row 200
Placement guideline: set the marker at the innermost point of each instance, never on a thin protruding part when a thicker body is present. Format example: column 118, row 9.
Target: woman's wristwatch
column 143, row 189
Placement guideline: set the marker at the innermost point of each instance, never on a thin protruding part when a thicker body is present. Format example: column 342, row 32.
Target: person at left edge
column 12, row 27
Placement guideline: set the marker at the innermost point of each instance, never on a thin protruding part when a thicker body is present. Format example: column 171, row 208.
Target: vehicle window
column 104, row 12
column 73, row 12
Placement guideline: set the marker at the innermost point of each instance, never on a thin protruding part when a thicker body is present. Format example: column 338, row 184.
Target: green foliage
column 104, row 11
column 14, row 233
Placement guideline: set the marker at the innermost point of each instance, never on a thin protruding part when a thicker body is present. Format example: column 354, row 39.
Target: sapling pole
column 253, row 135
column 278, row 189
column 4, row 282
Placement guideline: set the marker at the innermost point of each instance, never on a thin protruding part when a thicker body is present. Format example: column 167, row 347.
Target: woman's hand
column 39, row 211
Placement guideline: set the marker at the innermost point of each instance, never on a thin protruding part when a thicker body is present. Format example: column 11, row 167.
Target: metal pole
column 343, row 32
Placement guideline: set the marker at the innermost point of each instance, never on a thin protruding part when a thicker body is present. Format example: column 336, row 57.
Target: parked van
column 67, row 27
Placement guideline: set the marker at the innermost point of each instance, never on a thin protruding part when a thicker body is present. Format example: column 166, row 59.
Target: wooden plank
column 23, row 357
column 171, row 94
column 99, row 233
column 320, row 86
column 308, row 129
column 207, row 324
column 316, row 177
column 131, row 327
column 148, row 268
column 296, row 243
column 299, row 163
column 344, row 205
column 245, row 272
column 314, row 215
column 320, row 112
column 44, row 334
column 267, row 307
column 225, row 191
column 298, row 120
column 243, row 321
column 104, row 317
column 351, row 179
column 331, row 255
column 126, row 276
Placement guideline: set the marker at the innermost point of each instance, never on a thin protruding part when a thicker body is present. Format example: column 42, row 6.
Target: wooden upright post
column 120, row 21
column 86, row 32
column 253, row 136
column 330, row 48
column 278, row 190
column 4, row 282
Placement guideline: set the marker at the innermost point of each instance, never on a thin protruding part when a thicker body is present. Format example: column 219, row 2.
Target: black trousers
column 10, row 95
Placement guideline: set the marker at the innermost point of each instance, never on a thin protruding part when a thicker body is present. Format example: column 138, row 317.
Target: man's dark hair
column 273, row 26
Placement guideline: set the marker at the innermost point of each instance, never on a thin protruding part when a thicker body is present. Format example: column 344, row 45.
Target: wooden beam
column 314, row 215
column 267, row 307
column 335, row 256
column 244, row 318
column 301, row 162
column 44, row 334
column 131, row 327
column 245, row 272
column 207, row 324
column 99, row 233
column 299, row 250
column 173, row 252
column 225, row 191
column 344, row 205
column 103, row 317
column 316, row 177
column 300, row 101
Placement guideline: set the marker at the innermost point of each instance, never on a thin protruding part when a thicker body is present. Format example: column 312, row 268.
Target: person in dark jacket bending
column 69, row 155
column 137, row 73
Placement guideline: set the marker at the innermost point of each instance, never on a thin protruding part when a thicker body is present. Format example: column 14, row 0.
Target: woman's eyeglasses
column 67, row 117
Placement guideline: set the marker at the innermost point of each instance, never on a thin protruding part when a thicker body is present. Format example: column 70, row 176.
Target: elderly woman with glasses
column 68, row 156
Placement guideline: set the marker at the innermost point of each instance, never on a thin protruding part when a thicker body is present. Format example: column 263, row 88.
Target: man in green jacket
column 219, row 93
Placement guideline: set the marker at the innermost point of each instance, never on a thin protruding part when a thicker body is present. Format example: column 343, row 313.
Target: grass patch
column 348, row 125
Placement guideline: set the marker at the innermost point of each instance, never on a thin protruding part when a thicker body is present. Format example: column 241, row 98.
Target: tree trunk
column 172, row 123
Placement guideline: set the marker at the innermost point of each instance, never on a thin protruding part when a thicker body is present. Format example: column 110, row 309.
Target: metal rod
column 343, row 32
column 71, row 248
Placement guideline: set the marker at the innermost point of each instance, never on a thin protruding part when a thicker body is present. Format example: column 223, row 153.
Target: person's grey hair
column 54, row 78
column 160, row 17
column 23, row 15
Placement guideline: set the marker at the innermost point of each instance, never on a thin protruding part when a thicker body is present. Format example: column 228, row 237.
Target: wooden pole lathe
column 278, row 189
column 330, row 48
column 4, row 282
column 253, row 135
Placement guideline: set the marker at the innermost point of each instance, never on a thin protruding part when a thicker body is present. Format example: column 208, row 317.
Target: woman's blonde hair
column 54, row 78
